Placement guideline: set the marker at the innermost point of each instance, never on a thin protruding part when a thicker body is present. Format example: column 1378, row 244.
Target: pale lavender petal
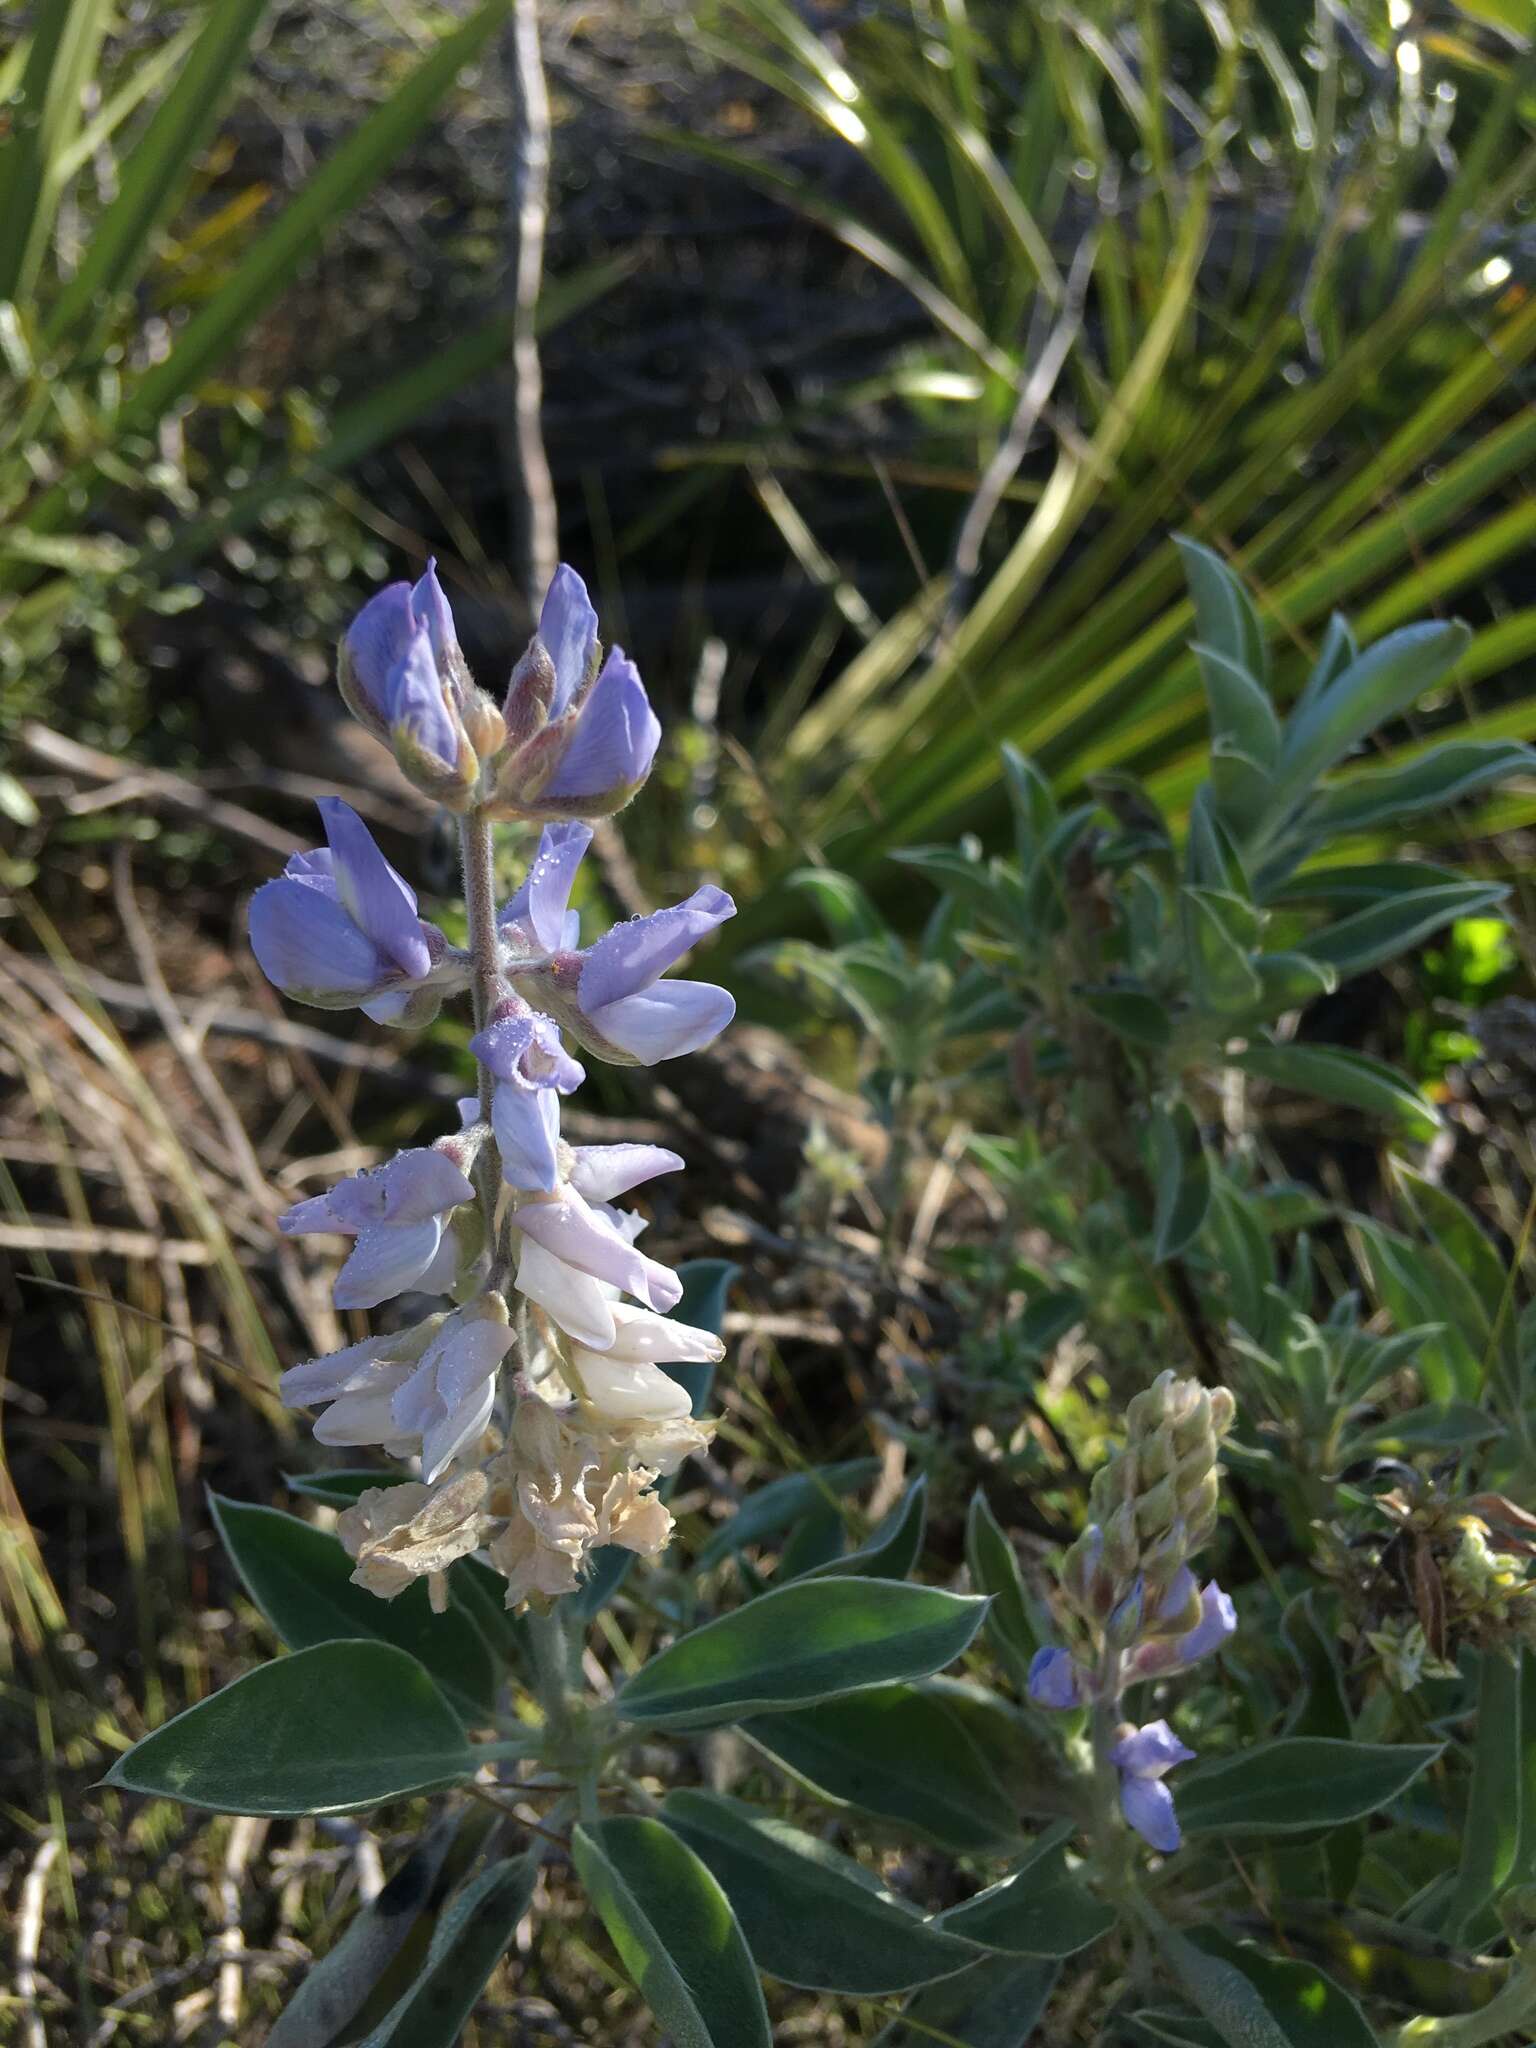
column 631, row 956
column 416, row 1404
column 527, row 1126
column 381, row 901
column 377, row 640
column 1148, row 1752
column 417, row 703
column 1180, row 1592
column 615, row 737
column 366, row 1417
column 335, row 1372
column 319, row 1213
column 551, row 879
column 469, row 1351
column 439, row 1276
column 460, row 1426
column 1053, row 1680
column 666, row 1021
column 568, row 629
column 306, row 944
column 315, row 869
column 602, row 1171
column 574, row 1301
column 1148, row 1807
column 585, row 1239
column 1218, row 1620
column 387, row 1259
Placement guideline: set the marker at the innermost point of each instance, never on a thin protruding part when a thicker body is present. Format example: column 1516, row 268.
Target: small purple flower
column 611, row 996
column 627, row 1005
column 402, row 670
column 339, row 928
column 532, row 1070
column 398, row 1213
column 1218, row 1621
column 448, row 1398
column 1054, row 1680
column 1142, row 1758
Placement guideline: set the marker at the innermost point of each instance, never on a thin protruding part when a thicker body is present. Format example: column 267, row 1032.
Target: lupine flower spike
column 1135, row 1610
column 539, row 1407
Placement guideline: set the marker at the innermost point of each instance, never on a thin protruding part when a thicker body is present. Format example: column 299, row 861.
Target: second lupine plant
column 1134, row 1608
column 535, row 1403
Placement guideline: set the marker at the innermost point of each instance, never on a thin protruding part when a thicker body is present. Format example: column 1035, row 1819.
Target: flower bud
column 582, row 737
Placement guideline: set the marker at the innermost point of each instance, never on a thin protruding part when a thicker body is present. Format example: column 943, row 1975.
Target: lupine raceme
column 536, row 1404
column 1134, row 1610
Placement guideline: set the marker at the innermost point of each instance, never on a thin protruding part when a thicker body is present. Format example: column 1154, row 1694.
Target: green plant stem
column 1111, row 1839
column 1511, row 2012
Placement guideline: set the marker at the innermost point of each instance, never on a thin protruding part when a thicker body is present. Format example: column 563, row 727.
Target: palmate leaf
column 1093, row 677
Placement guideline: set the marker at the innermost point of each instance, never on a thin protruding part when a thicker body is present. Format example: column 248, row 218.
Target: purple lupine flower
column 538, row 918
column 532, row 1070
column 625, row 1002
column 1054, row 1680
column 360, row 1383
column 448, row 1398
column 1218, row 1621
column 398, row 1213
column 583, row 738
column 595, row 1240
column 611, row 996
column 339, row 928
column 1142, row 1758
column 402, row 670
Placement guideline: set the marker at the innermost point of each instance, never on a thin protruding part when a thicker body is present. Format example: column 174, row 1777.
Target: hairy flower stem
column 478, row 858
column 477, row 854
column 1111, row 1839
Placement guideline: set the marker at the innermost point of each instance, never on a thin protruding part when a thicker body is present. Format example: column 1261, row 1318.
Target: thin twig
column 29, row 1929
column 61, row 752
column 530, row 488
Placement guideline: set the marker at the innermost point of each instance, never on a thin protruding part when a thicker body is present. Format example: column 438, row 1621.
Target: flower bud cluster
column 1135, row 1610
column 538, row 1405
